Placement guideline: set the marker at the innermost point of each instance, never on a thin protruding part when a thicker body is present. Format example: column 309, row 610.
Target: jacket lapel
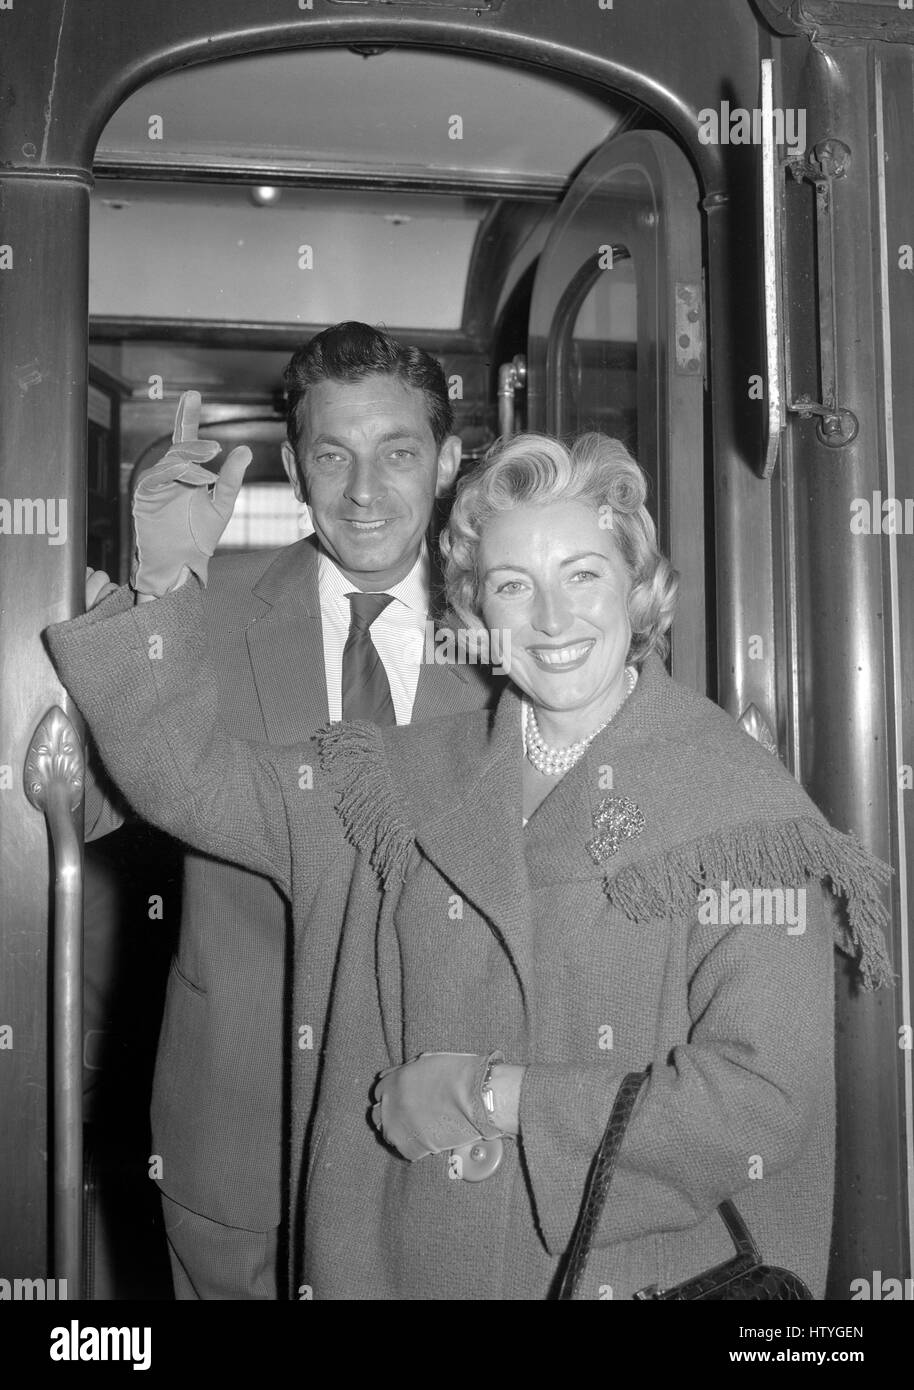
column 469, row 820
column 449, row 688
column 292, row 691
column 565, row 824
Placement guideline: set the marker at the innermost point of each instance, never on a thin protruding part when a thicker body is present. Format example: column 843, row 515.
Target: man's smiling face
column 372, row 471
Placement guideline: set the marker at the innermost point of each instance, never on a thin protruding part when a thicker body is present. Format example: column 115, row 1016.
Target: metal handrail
column 54, row 782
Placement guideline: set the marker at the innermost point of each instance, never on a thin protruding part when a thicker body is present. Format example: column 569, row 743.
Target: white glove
column 180, row 509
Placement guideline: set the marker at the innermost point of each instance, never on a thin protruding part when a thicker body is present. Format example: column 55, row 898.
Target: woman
column 607, row 876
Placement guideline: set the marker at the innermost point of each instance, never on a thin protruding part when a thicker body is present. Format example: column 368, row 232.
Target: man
column 369, row 449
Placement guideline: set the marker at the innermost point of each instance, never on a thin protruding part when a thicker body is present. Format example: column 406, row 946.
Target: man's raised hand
column 98, row 587
column 180, row 509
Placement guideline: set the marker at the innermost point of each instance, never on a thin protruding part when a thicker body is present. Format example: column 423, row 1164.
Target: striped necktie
column 366, row 689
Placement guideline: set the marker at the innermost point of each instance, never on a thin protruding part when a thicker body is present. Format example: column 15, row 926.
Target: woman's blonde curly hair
column 535, row 470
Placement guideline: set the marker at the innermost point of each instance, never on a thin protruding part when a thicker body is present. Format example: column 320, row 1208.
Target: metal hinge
column 690, row 330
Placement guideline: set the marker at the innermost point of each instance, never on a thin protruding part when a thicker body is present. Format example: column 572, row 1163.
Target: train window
column 266, row 515
column 601, row 355
column 211, row 254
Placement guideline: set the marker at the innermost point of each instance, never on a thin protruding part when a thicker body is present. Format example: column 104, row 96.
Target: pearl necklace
column 555, row 762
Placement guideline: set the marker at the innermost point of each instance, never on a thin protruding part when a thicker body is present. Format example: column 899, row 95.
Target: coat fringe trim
column 353, row 757
column 765, row 854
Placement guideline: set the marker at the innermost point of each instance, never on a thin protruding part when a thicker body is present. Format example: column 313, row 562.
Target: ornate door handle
column 54, row 780
column 836, row 426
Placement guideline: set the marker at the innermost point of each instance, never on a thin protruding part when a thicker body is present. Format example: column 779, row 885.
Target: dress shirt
column 398, row 633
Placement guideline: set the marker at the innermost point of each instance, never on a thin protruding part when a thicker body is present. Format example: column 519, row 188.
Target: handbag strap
column 739, row 1231
column 597, row 1190
column 598, row 1181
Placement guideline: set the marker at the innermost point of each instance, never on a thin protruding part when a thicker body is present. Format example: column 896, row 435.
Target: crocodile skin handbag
column 743, row 1277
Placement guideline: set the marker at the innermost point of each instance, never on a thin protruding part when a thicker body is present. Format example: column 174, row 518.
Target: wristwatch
column 480, row 1159
column 486, row 1089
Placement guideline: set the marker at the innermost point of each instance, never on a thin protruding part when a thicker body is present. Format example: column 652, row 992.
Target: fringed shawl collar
column 672, row 798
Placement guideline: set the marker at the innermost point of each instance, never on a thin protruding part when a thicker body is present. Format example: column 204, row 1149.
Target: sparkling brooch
column 615, row 819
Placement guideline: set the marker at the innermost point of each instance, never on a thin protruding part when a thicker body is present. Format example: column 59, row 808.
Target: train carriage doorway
column 616, row 290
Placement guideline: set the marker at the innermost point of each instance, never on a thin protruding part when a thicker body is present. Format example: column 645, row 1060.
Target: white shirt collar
column 412, row 590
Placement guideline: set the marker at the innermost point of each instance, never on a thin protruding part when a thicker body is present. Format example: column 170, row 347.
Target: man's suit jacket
column 222, row 1073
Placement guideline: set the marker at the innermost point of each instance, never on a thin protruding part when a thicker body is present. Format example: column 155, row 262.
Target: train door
column 616, row 343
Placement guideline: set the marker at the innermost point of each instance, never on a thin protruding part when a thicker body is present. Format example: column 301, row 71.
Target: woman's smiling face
column 553, row 577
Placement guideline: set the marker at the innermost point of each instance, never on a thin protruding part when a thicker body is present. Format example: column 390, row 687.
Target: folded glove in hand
column 433, row 1103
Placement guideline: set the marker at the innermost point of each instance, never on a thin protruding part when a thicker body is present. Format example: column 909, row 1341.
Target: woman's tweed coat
column 441, row 924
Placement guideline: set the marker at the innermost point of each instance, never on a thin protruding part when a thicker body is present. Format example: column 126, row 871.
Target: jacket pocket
column 314, row 1151
column 183, row 979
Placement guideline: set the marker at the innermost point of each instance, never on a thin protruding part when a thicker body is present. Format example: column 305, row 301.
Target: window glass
column 601, row 360
column 190, row 251
column 266, row 516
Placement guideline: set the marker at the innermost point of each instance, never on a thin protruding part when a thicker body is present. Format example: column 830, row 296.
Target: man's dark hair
column 351, row 351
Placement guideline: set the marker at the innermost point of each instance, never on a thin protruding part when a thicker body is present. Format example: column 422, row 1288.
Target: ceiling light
column 265, row 196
